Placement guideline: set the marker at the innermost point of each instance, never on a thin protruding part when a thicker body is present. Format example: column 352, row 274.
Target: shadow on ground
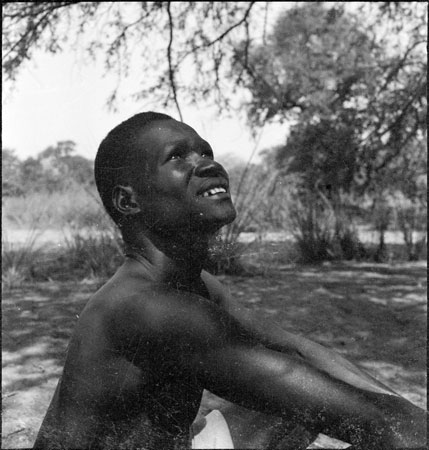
column 38, row 321
column 373, row 314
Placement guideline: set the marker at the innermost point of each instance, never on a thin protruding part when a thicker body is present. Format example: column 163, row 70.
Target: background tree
column 33, row 175
column 62, row 166
column 343, row 85
column 54, row 169
column 355, row 93
column 11, row 180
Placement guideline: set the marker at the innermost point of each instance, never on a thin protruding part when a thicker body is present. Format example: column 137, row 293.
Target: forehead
column 159, row 136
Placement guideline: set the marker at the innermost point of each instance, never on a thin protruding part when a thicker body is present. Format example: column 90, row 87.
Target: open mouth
column 213, row 191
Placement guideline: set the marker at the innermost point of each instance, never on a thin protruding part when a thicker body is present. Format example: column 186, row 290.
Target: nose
column 207, row 168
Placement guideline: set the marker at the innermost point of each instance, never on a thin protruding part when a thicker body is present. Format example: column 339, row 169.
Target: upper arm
column 174, row 324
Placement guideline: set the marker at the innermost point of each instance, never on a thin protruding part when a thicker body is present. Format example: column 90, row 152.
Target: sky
column 58, row 98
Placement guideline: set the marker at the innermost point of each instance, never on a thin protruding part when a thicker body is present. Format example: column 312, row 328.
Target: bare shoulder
column 154, row 313
column 123, row 305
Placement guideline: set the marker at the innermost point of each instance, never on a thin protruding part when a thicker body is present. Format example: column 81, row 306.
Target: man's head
column 161, row 173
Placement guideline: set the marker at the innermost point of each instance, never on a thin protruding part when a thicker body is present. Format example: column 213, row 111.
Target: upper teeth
column 214, row 191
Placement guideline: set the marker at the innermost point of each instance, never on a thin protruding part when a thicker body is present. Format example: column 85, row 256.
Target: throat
column 195, row 286
column 175, row 264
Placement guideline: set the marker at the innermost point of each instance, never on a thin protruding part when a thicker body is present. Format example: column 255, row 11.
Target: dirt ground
column 373, row 314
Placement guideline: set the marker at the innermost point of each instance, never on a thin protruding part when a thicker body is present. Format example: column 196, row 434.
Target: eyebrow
column 175, row 145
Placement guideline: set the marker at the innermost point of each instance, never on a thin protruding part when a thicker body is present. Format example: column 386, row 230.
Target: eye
column 176, row 154
column 207, row 154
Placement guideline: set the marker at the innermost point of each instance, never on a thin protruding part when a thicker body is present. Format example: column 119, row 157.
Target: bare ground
column 373, row 314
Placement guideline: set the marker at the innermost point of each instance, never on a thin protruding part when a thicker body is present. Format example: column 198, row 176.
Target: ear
column 124, row 200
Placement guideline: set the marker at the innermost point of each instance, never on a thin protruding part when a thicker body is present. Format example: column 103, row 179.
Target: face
column 180, row 186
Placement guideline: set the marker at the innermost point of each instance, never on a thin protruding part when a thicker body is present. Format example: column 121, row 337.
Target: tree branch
column 170, row 65
column 221, row 36
column 397, row 67
column 398, row 118
column 45, row 13
column 264, row 33
column 123, row 33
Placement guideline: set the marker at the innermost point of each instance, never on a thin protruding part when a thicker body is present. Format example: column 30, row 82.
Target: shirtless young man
column 161, row 329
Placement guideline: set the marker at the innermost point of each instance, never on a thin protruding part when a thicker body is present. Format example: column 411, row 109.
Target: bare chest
column 118, row 389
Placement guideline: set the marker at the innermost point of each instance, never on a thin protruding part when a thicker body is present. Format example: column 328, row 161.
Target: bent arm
column 272, row 383
column 205, row 342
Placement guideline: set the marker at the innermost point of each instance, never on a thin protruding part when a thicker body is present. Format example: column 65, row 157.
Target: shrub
column 321, row 232
column 92, row 254
column 410, row 218
column 88, row 254
column 347, row 238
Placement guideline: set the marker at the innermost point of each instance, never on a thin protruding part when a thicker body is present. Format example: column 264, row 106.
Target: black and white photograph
column 214, row 225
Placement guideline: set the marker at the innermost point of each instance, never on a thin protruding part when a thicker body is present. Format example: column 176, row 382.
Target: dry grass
column 63, row 235
column 79, row 206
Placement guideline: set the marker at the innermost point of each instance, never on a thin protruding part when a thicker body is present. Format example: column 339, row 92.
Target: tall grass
column 89, row 255
column 19, row 260
column 91, row 244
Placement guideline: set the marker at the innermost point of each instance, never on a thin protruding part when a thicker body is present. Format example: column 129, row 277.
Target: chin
column 231, row 217
column 215, row 223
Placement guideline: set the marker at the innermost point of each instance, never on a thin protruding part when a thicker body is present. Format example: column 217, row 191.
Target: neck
column 176, row 260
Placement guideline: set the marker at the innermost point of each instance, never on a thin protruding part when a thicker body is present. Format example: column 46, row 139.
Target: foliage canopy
column 173, row 41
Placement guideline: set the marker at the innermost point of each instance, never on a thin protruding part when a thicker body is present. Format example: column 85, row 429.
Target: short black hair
column 115, row 156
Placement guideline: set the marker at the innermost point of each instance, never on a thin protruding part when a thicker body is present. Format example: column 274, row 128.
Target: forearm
column 397, row 424
column 288, row 387
column 383, row 407
column 397, row 416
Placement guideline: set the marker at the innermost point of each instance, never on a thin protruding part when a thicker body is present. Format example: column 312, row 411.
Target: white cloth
column 214, row 435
